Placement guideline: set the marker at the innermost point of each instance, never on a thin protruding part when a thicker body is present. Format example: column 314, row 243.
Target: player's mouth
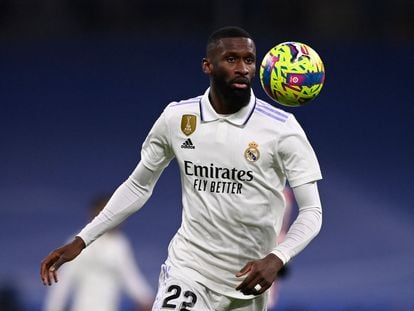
column 240, row 83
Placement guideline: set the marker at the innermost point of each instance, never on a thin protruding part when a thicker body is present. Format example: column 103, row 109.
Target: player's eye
column 230, row 59
column 250, row 60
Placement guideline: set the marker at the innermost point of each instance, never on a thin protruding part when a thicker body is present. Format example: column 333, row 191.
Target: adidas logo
column 188, row 144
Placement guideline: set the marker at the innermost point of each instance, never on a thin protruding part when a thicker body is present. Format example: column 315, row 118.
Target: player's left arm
column 306, row 226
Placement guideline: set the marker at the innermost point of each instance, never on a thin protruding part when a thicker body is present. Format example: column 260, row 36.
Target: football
column 292, row 74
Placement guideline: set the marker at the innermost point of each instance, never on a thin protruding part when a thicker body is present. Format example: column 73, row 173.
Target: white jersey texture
column 96, row 279
column 233, row 172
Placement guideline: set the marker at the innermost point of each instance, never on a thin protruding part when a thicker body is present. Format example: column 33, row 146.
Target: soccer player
column 235, row 154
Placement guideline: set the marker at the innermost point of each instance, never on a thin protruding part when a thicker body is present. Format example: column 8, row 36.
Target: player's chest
column 221, row 142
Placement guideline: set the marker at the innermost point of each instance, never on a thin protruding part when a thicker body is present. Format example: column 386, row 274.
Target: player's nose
column 242, row 68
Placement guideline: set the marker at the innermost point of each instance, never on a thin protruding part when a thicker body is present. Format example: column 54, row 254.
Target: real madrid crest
column 188, row 124
column 252, row 154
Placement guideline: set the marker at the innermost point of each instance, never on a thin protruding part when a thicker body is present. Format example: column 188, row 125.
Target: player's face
column 231, row 65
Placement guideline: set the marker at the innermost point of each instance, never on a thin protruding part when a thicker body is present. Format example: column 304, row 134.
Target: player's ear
column 206, row 66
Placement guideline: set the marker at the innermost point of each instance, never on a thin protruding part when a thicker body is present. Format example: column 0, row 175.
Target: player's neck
column 224, row 105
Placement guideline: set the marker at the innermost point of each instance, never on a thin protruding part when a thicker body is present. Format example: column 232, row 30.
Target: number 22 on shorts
column 185, row 300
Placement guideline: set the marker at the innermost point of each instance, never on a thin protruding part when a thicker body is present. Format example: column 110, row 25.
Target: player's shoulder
column 271, row 113
column 276, row 118
column 175, row 110
column 190, row 104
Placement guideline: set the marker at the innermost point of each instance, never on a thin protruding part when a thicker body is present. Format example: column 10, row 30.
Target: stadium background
column 81, row 82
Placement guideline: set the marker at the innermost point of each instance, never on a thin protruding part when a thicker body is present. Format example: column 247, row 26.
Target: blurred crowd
column 330, row 20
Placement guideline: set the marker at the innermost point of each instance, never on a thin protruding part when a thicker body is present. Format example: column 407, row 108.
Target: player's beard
column 234, row 98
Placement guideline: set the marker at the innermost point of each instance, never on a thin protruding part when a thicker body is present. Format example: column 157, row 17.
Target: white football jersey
column 233, row 172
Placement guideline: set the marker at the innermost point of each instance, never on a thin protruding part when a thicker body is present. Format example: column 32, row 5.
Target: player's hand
column 50, row 265
column 260, row 275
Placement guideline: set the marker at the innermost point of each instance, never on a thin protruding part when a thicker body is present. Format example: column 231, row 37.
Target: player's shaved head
column 225, row 32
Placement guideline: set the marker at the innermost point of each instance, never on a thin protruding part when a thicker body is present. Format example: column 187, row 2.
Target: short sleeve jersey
column 233, row 171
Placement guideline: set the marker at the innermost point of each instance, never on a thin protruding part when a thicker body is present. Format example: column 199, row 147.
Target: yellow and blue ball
column 292, row 74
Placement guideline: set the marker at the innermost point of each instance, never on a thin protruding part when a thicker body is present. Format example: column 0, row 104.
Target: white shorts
column 176, row 293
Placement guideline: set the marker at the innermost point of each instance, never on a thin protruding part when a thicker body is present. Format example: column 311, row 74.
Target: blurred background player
column 96, row 280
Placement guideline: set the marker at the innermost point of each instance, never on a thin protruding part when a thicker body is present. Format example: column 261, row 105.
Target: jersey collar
column 240, row 118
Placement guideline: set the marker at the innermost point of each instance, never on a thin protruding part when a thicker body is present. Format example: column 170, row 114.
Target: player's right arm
column 68, row 252
column 126, row 200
